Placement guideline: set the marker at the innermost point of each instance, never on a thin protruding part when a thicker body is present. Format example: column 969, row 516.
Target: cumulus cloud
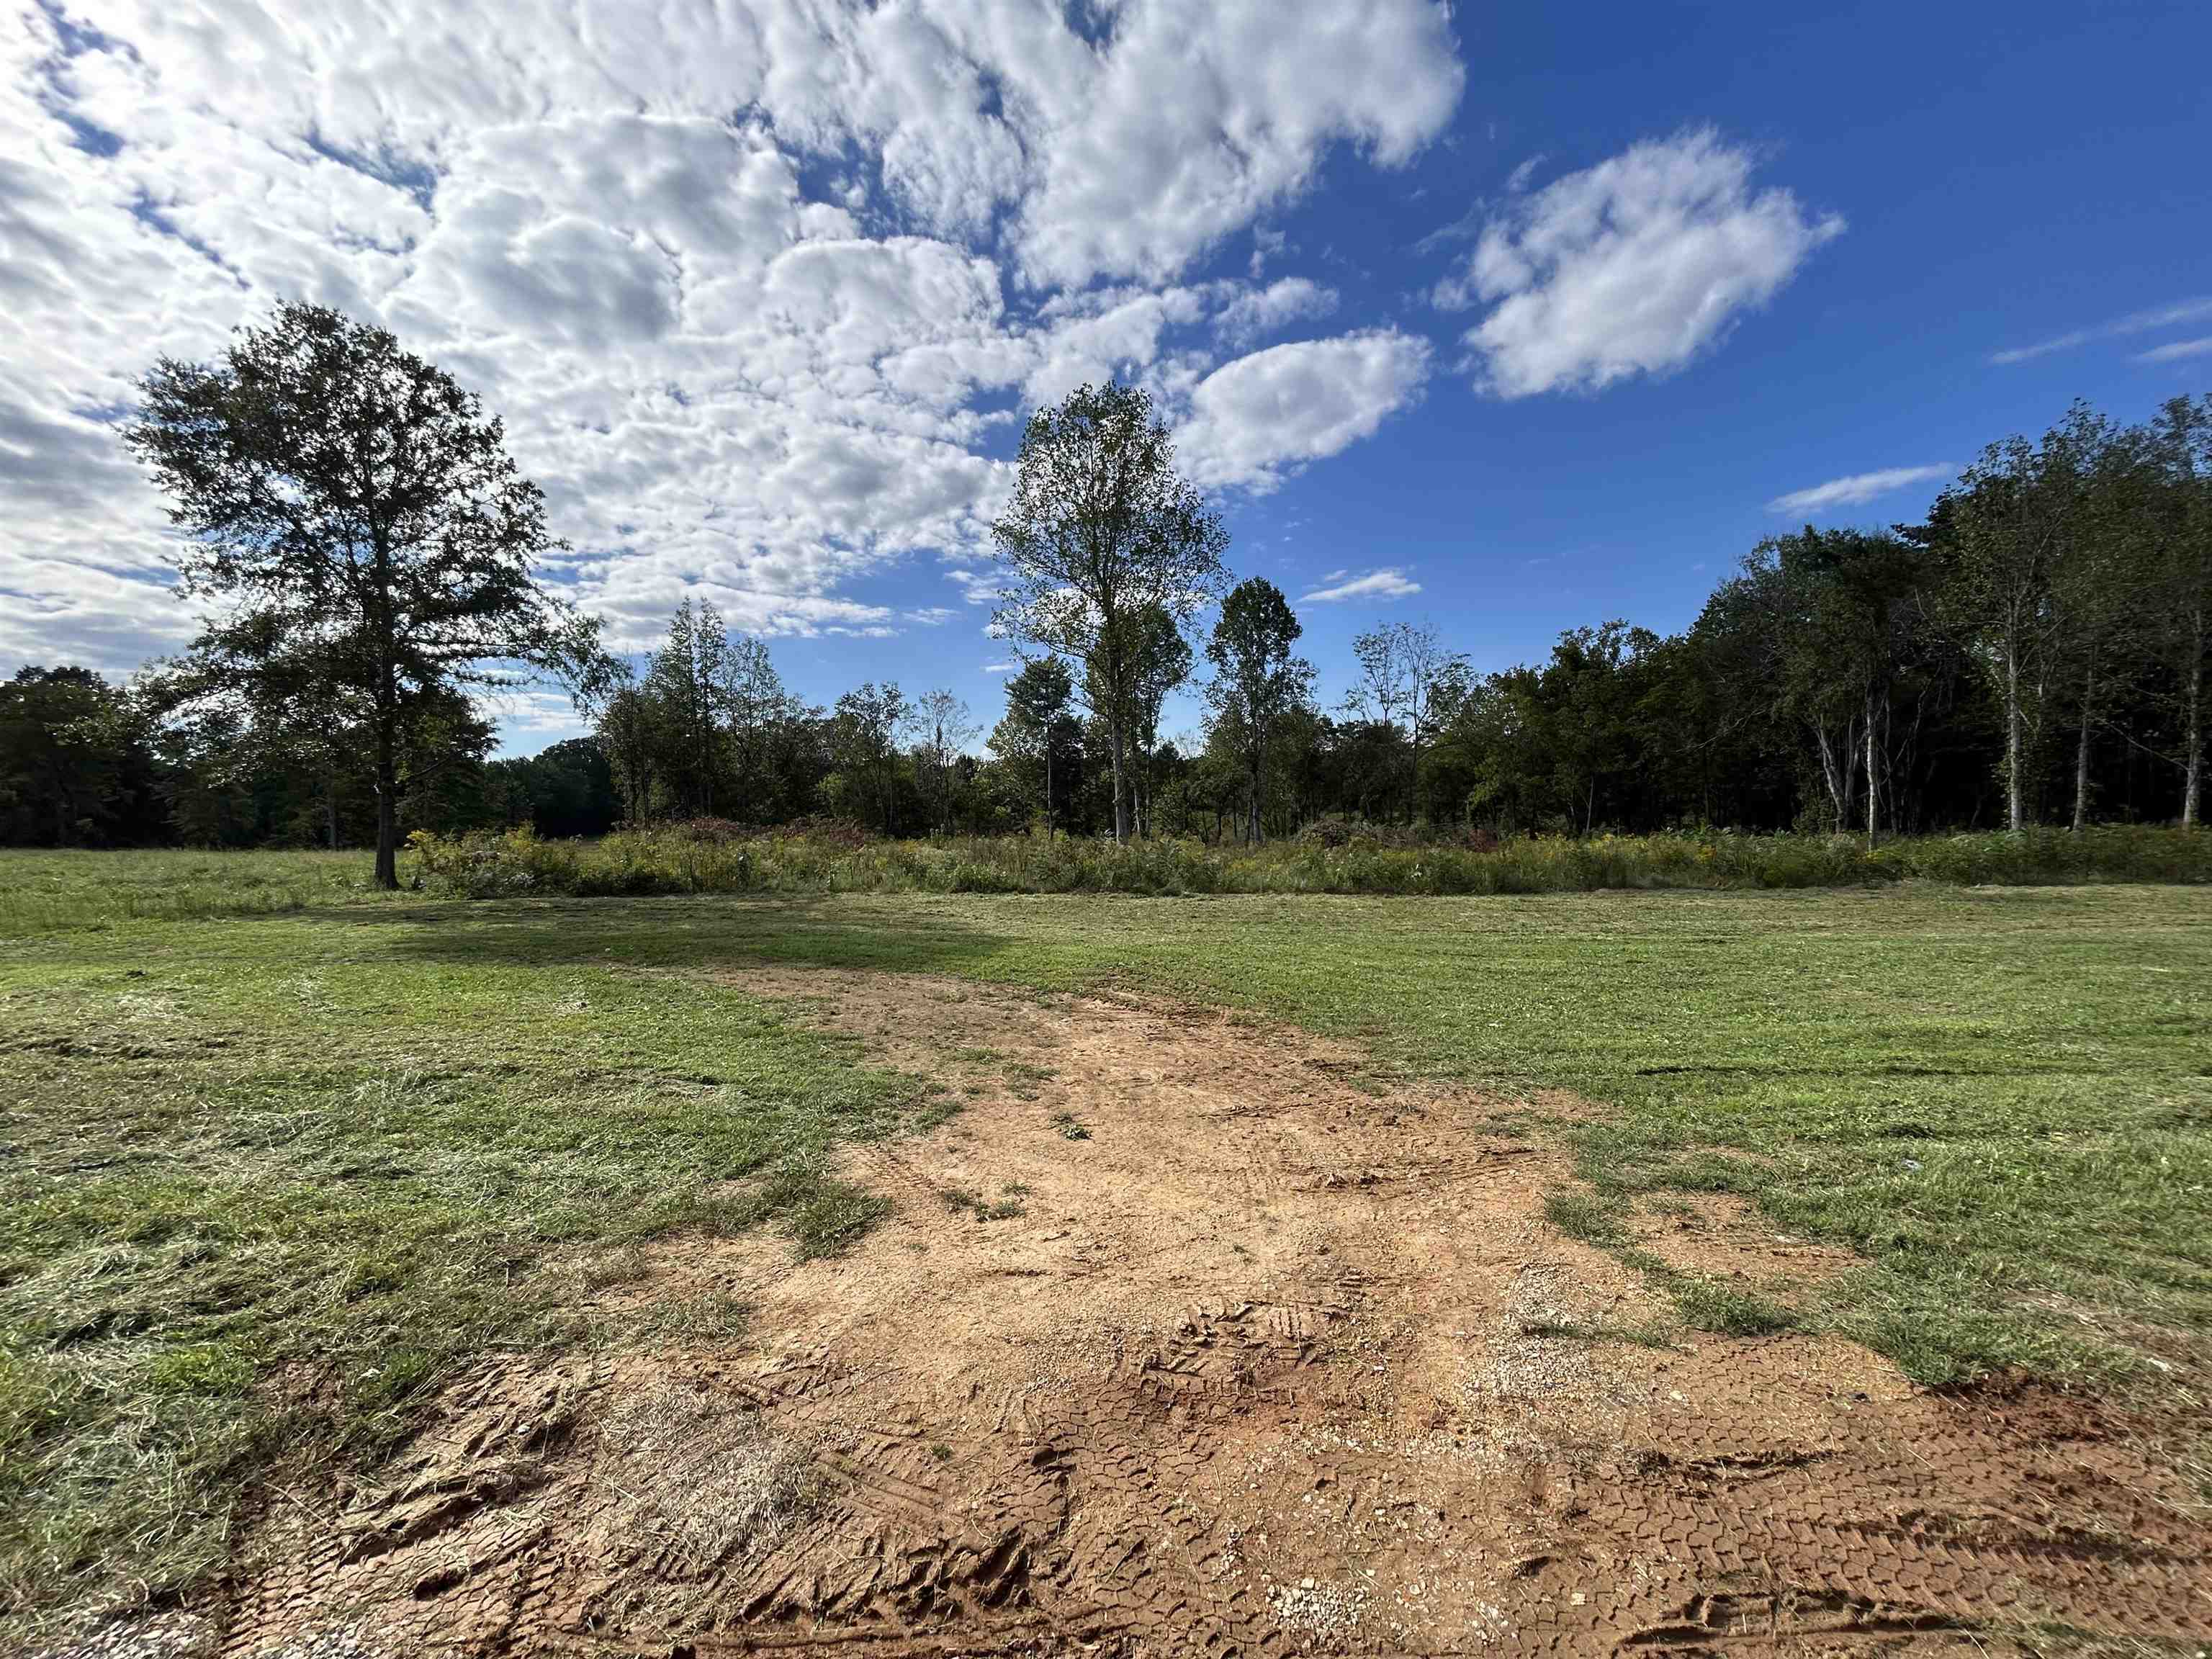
column 1631, row 267
column 1262, row 416
column 758, row 287
column 1858, row 487
column 1253, row 314
column 1202, row 117
column 2135, row 322
column 1386, row 584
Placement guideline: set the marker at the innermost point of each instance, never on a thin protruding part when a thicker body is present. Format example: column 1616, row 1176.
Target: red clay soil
column 1266, row 1365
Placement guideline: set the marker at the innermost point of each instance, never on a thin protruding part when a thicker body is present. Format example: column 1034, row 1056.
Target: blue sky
column 1533, row 310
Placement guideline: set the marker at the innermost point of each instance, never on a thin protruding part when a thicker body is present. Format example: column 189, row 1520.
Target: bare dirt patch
column 1261, row 1361
column 1721, row 1236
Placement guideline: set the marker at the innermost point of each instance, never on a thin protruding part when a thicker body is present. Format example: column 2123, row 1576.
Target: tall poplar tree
column 1100, row 529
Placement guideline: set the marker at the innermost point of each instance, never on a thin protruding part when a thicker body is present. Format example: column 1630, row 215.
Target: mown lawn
column 2002, row 1096
column 263, row 1182
column 266, row 1176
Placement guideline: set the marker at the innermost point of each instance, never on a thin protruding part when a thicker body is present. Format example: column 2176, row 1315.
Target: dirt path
column 1179, row 1342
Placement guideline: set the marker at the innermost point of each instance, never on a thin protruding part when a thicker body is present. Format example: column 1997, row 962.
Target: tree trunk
column 1872, row 775
column 1251, row 822
column 1121, row 787
column 1834, row 769
column 387, row 806
column 388, row 722
column 2013, row 812
column 2192, row 777
column 1047, row 786
column 330, row 807
column 2081, row 755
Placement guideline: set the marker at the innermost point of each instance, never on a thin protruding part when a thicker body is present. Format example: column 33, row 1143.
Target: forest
column 2030, row 652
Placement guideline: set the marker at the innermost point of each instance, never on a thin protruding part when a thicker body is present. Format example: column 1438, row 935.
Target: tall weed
column 672, row 859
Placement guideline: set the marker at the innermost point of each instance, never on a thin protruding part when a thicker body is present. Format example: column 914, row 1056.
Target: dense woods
column 2033, row 652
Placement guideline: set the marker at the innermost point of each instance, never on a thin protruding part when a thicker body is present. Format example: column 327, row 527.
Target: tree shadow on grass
column 691, row 932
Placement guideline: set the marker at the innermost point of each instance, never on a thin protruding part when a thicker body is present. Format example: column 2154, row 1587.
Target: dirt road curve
column 1265, row 1366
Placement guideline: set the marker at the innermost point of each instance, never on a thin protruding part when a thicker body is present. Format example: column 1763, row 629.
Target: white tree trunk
column 1872, row 794
column 2081, row 755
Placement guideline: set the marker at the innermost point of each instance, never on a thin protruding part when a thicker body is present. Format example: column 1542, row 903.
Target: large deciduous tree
column 688, row 681
column 1405, row 673
column 758, row 711
column 865, row 733
column 1039, row 730
column 942, row 734
column 1825, row 620
column 1257, row 680
column 1156, row 659
column 2010, row 518
column 347, row 505
column 1099, row 530
column 75, row 765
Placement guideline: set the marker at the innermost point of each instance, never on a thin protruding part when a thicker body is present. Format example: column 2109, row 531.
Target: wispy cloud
column 977, row 586
column 1465, row 229
column 1857, row 488
column 2177, row 351
column 1385, row 583
column 1000, row 667
column 1518, row 179
column 2135, row 322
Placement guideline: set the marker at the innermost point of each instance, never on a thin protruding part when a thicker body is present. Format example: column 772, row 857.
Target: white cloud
column 530, row 719
column 1518, row 180
column 1202, row 117
column 1000, row 667
column 757, row 357
column 1630, row 267
column 977, row 586
column 1255, row 313
column 2135, row 322
column 2177, row 351
column 1386, row 584
column 1255, row 419
column 1858, row 487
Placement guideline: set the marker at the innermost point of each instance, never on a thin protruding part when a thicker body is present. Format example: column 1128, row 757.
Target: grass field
column 278, row 1152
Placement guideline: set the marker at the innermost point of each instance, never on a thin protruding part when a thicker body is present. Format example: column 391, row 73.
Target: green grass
column 966, row 1200
column 265, row 1183
column 268, row 1173
column 2000, row 1096
column 46, row 891
column 1651, row 1335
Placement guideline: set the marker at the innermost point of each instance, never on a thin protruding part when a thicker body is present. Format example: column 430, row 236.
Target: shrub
column 1335, row 855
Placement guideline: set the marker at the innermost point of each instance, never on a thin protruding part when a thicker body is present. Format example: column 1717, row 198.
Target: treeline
column 84, row 763
column 2033, row 652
